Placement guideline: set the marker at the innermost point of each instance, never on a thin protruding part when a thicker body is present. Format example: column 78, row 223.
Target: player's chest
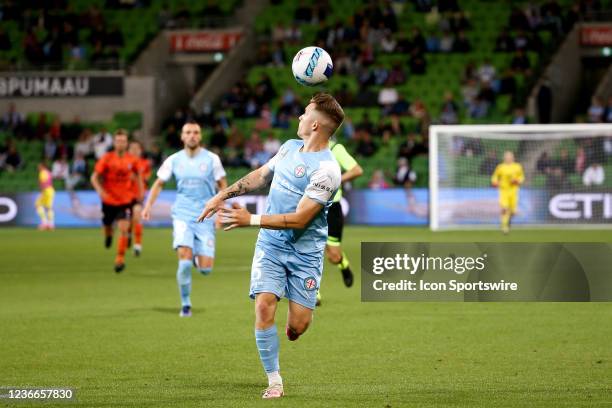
column 295, row 171
column 192, row 169
column 122, row 167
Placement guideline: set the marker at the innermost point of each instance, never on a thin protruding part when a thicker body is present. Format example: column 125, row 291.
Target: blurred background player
column 199, row 174
column 144, row 169
column 288, row 259
column 335, row 217
column 113, row 178
column 508, row 176
column 44, row 201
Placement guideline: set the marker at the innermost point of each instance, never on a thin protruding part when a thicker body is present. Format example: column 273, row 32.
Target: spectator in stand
column 410, row 147
column 32, row 48
column 404, row 175
column 581, row 159
column 596, row 110
column 49, row 148
column 378, row 182
column 470, row 93
column 490, row 162
column 348, row 129
column 78, row 173
column 446, row 42
column 566, row 162
column 388, row 43
column 519, row 117
column 419, row 111
column 387, row 97
column 13, row 120
column 271, row 145
column 462, row 43
column 520, row 63
column 450, row 110
column 486, row 93
column 252, row 149
column 365, row 146
column 102, row 142
column 469, row 72
column 303, row 13
column 486, row 72
column 218, row 139
column 13, row 161
column 418, row 65
column 84, row 146
column 607, row 116
column 594, row 175
column 504, row 42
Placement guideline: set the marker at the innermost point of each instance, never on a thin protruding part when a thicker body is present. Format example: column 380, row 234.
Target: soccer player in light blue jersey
column 288, row 260
column 199, row 174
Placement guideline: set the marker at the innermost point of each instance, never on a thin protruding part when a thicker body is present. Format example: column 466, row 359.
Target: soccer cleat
column 347, row 276
column 318, row 302
column 291, row 335
column 185, row 311
column 120, row 266
column 43, row 227
column 108, row 241
column 273, row 391
column 137, row 249
column 506, row 230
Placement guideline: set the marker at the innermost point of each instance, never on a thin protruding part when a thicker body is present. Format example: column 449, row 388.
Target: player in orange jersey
column 113, row 177
column 144, row 168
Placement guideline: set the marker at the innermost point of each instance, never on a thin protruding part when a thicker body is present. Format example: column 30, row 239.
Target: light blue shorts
column 200, row 237
column 286, row 273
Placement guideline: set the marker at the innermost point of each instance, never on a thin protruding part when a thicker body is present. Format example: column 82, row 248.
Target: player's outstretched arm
column 238, row 216
column 153, row 194
column 253, row 181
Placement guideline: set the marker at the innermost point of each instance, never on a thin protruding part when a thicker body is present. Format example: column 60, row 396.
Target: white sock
column 274, row 378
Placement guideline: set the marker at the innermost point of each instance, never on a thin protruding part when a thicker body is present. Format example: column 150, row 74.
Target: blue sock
column 183, row 277
column 205, row 271
column 267, row 344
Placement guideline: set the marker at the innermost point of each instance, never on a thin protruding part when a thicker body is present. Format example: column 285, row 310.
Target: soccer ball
column 312, row 66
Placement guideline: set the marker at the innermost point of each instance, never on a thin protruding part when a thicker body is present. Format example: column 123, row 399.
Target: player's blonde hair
column 330, row 107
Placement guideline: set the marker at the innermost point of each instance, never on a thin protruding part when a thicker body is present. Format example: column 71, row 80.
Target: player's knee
column 264, row 310
column 205, row 271
column 299, row 326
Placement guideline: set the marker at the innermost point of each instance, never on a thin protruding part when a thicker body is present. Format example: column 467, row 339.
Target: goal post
column 568, row 175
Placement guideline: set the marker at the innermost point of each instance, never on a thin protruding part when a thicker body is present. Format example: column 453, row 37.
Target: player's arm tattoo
column 251, row 182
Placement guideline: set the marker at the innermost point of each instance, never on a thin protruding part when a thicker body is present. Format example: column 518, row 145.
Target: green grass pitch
column 67, row 320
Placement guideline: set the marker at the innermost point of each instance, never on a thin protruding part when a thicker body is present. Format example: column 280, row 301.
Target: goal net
column 568, row 174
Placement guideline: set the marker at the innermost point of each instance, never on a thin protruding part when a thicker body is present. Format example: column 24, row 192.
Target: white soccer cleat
column 273, row 391
column 137, row 249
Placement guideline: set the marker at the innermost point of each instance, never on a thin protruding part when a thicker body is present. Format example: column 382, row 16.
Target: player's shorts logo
column 310, row 284
column 299, row 171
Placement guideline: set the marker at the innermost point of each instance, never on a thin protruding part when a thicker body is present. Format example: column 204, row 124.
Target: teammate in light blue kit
column 199, row 174
column 288, row 258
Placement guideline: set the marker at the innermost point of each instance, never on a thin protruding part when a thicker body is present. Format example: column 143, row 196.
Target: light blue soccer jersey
column 196, row 180
column 315, row 175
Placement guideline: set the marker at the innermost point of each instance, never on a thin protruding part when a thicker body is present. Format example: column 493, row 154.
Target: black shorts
column 335, row 223
column 112, row 213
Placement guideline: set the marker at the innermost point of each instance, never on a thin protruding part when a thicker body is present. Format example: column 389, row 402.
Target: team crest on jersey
column 310, row 284
column 299, row 171
column 203, row 167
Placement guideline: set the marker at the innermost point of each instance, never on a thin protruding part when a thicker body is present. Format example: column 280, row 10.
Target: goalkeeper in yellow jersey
column 508, row 176
column 44, row 201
